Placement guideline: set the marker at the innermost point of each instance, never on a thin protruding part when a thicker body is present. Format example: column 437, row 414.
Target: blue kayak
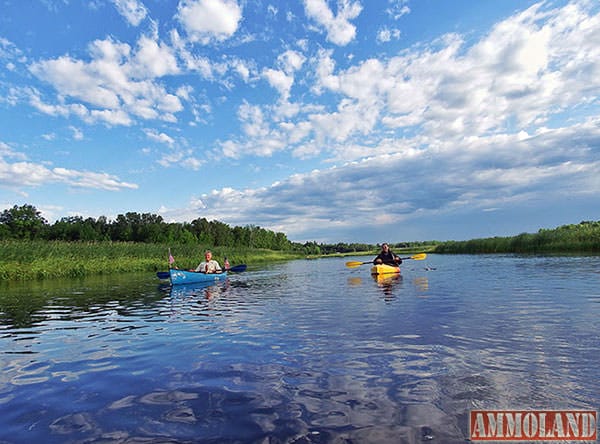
column 180, row 277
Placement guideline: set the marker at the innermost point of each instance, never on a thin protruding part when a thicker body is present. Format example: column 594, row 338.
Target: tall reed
column 21, row 260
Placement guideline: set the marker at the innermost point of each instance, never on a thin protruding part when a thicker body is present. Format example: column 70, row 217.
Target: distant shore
column 574, row 238
column 41, row 259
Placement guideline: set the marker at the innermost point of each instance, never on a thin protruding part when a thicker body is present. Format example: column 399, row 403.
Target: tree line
column 26, row 223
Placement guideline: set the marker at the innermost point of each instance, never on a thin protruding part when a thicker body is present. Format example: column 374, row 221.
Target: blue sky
column 328, row 120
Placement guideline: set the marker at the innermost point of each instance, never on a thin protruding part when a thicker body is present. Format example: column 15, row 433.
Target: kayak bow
column 383, row 269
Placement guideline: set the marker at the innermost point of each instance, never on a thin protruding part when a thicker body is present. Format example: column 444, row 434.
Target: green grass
column 581, row 238
column 24, row 260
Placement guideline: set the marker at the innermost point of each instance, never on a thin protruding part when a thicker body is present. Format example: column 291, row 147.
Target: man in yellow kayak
column 386, row 256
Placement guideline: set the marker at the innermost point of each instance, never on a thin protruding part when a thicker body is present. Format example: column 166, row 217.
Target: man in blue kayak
column 386, row 256
column 209, row 265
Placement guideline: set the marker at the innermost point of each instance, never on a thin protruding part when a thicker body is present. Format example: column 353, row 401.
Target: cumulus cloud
column 291, row 61
column 154, row 59
column 458, row 122
column 280, row 81
column 527, row 68
column 209, row 20
column 423, row 183
column 154, row 135
column 340, row 30
column 449, row 127
column 133, row 10
column 117, row 84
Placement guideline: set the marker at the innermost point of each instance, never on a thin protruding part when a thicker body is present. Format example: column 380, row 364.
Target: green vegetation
column 39, row 259
column 581, row 238
column 26, row 223
column 33, row 249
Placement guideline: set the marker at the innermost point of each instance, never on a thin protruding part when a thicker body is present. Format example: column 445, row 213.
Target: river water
column 300, row 352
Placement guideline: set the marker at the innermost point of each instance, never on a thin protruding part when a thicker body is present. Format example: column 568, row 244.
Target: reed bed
column 24, row 260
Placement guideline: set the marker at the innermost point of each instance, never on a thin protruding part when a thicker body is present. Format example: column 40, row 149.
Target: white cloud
column 176, row 155
column 423, row 183
column 115, row 86
column 87, row 179
column 10, row 53
column 434, row 93
column 338, row 27
column 437, row 92
column 475, row 122
column 159, row 137
column 7, row 151
column 521, row 72
column 324, row 71
column 28, row 174
column 180, row 158
column 154, row 59
column 133, row 10
column 211, row 69
column 208, row 20
column 398, row 8
column 459, row 122
column 241, row 67
column 291, row 61
column 385, row 35
column 280, row 81
column 77, row 133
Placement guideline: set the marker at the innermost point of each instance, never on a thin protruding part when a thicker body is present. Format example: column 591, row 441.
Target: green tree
column 202, row 230
column 23, row 222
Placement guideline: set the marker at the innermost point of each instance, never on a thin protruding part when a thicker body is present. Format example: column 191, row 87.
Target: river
column 305, row 351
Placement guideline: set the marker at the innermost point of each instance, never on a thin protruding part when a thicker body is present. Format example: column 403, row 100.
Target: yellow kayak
column 384, row 269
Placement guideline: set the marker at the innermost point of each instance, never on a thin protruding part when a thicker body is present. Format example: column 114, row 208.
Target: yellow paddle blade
column 353, row 264
column 419, row 257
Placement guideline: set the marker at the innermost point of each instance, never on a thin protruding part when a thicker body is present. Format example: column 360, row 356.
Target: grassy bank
column 574, row 238
column 23, row 260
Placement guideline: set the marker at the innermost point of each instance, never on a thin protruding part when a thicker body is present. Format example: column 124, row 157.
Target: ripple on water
column 301, row 352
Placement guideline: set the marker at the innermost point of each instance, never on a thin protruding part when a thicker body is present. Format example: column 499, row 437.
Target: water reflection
column 30, row 304
column 207, row 290
column 421, row 283
column 355, row 281
column 387, row 284
column 304, row 352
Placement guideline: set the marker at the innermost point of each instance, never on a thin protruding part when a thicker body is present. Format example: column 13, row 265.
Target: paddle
column 237, row 269
column 416, row 257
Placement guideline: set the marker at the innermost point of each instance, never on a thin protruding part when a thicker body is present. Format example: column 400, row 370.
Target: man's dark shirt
column 386, row 258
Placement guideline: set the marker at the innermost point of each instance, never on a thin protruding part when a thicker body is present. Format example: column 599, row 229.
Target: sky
column 327, row 120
